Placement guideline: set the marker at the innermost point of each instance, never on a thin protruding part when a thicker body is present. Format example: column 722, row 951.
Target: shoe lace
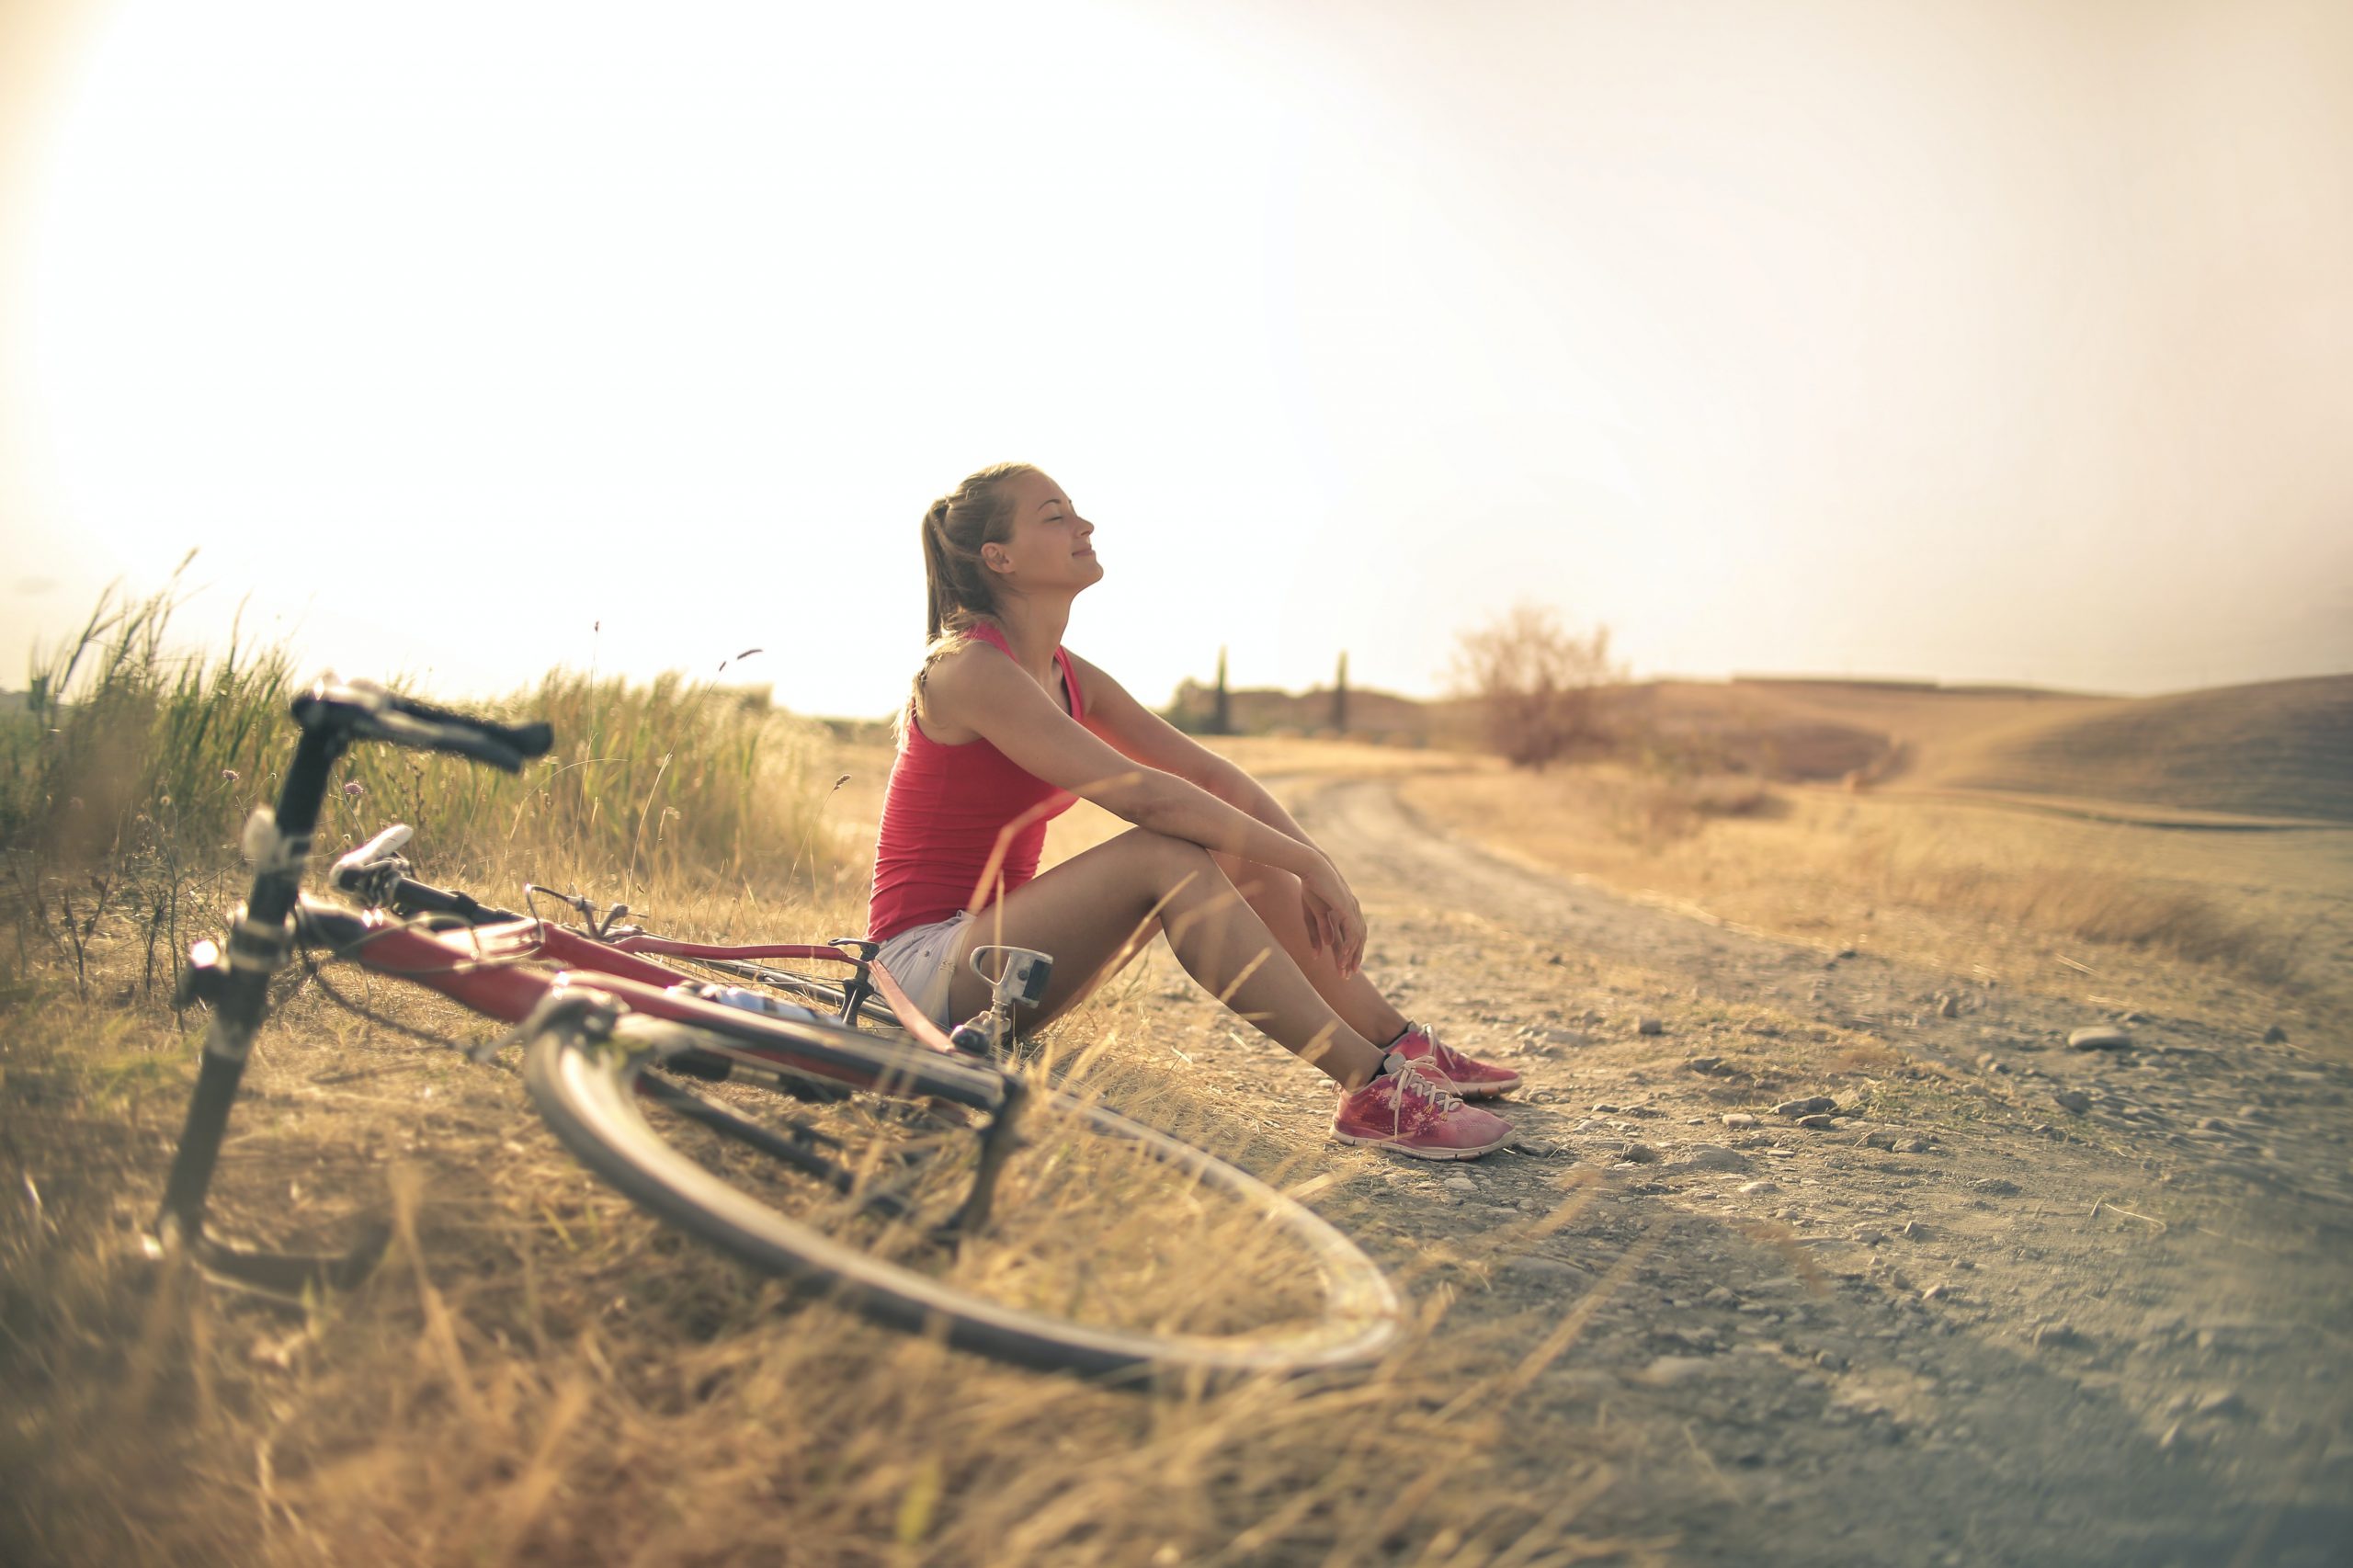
column 1411, row 1080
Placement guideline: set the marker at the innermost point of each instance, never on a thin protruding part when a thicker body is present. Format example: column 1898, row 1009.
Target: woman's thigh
column 1093, row 913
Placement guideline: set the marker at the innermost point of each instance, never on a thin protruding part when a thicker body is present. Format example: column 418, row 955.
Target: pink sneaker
column 1473, row 1080
column 1406, row 1111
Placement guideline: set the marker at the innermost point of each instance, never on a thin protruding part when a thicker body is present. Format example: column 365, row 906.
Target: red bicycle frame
column 508, row 969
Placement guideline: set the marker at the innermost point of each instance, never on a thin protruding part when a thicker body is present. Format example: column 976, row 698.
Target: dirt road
column 1993, row 1300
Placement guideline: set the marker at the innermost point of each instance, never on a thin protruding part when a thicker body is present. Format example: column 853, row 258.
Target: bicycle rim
column 1092, row 1213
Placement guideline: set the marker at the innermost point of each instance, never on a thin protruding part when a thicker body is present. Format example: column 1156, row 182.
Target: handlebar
column 361, row 710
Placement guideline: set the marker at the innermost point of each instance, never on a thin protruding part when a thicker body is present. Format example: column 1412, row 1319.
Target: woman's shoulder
column 960, row 668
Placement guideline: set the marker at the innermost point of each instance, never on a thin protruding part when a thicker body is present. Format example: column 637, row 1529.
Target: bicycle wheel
column 1102, row 1246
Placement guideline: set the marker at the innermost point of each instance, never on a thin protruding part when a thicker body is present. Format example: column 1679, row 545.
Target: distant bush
column 1534, row 683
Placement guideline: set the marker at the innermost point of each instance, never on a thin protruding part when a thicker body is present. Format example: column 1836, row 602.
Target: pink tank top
column 943, row 812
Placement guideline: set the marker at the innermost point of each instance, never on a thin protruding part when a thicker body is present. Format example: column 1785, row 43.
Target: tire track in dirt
column 1960, row 1334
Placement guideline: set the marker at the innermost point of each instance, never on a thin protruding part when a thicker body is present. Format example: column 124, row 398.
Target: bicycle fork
column 234, row 985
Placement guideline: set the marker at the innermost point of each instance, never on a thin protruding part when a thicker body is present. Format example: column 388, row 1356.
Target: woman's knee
column 1169, row 862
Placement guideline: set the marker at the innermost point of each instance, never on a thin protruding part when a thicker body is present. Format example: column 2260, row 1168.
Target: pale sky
column 1984, row 341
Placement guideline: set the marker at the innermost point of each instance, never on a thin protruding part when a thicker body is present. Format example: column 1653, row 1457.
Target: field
column 1997, row 1301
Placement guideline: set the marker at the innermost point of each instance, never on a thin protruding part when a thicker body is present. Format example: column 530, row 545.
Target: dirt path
column 2002, row 1301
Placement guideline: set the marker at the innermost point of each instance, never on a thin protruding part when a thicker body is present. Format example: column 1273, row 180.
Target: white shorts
column 922, row 958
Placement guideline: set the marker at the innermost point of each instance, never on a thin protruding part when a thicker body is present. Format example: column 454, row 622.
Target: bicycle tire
column 588, row 1095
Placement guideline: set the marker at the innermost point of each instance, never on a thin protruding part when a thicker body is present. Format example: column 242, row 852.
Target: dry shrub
column 1534, row 683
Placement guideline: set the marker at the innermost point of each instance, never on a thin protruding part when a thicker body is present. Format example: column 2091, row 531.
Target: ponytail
column 957, row 589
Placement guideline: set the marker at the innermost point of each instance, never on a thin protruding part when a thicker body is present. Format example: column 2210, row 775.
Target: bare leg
column 1098, row 910
column 1274, row 893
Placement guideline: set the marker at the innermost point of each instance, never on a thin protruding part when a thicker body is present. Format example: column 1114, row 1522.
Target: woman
column 1004, row 726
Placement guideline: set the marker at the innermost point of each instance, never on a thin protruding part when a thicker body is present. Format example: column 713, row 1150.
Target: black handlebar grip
column 362, row 710
column 524, row 740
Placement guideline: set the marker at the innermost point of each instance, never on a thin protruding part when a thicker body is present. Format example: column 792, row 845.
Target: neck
column 1033, row 625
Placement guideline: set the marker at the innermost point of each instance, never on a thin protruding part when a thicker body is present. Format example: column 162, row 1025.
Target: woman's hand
column 1334, row 923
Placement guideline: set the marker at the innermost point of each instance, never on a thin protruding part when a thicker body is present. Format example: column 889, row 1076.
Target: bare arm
column 1139, row 733
column 978, row 689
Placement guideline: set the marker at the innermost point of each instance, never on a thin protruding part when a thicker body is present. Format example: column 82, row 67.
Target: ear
column 996, row 558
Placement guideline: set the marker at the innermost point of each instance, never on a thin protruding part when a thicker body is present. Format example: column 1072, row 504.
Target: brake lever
column 362, row 871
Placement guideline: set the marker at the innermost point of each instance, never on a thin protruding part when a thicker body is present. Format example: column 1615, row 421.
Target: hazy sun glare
column 1916, row 340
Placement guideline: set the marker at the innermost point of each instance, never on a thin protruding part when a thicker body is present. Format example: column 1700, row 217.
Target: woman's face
column 1051, row 546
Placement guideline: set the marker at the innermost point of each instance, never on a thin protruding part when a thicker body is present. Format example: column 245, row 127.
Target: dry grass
column 538, row 1373
column 2179, row 913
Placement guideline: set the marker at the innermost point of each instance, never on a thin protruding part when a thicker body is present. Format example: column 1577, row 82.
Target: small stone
column 1758, row 1188
column 1556, row 961
column 1562, row 1037
column 1551, row 1271
column 1808, row 1106
column 1739, row 1120
column 1830, row 1360
column 1993, row 1063
column 1668, row 1371
column 2275, row 1035
column 2100, row 1039
column 1638, row 1153
column 1870, row 1237
column 2057, row 1333
column 1717, row 1296
column 1708, row 1157
column 2072, row 1099
column 1912, row 1230
column 1583, row 1383
column 1603, row 1108
column 2222, row 1402
column 1934, row 1293
column 1648, row 1024
column 1540, row 1148
column 1845, row 953
column 1705, row 1063
column 1818, row 1123
column 1914, row 1146
column 1462, row 1184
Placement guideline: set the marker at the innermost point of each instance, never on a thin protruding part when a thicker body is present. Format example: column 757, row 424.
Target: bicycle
column 907, row 1228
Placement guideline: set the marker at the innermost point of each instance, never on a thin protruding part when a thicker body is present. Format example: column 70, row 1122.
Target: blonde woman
column 1004, row 727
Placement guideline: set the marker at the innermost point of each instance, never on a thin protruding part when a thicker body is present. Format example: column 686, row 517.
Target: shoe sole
column 1396, row 1146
